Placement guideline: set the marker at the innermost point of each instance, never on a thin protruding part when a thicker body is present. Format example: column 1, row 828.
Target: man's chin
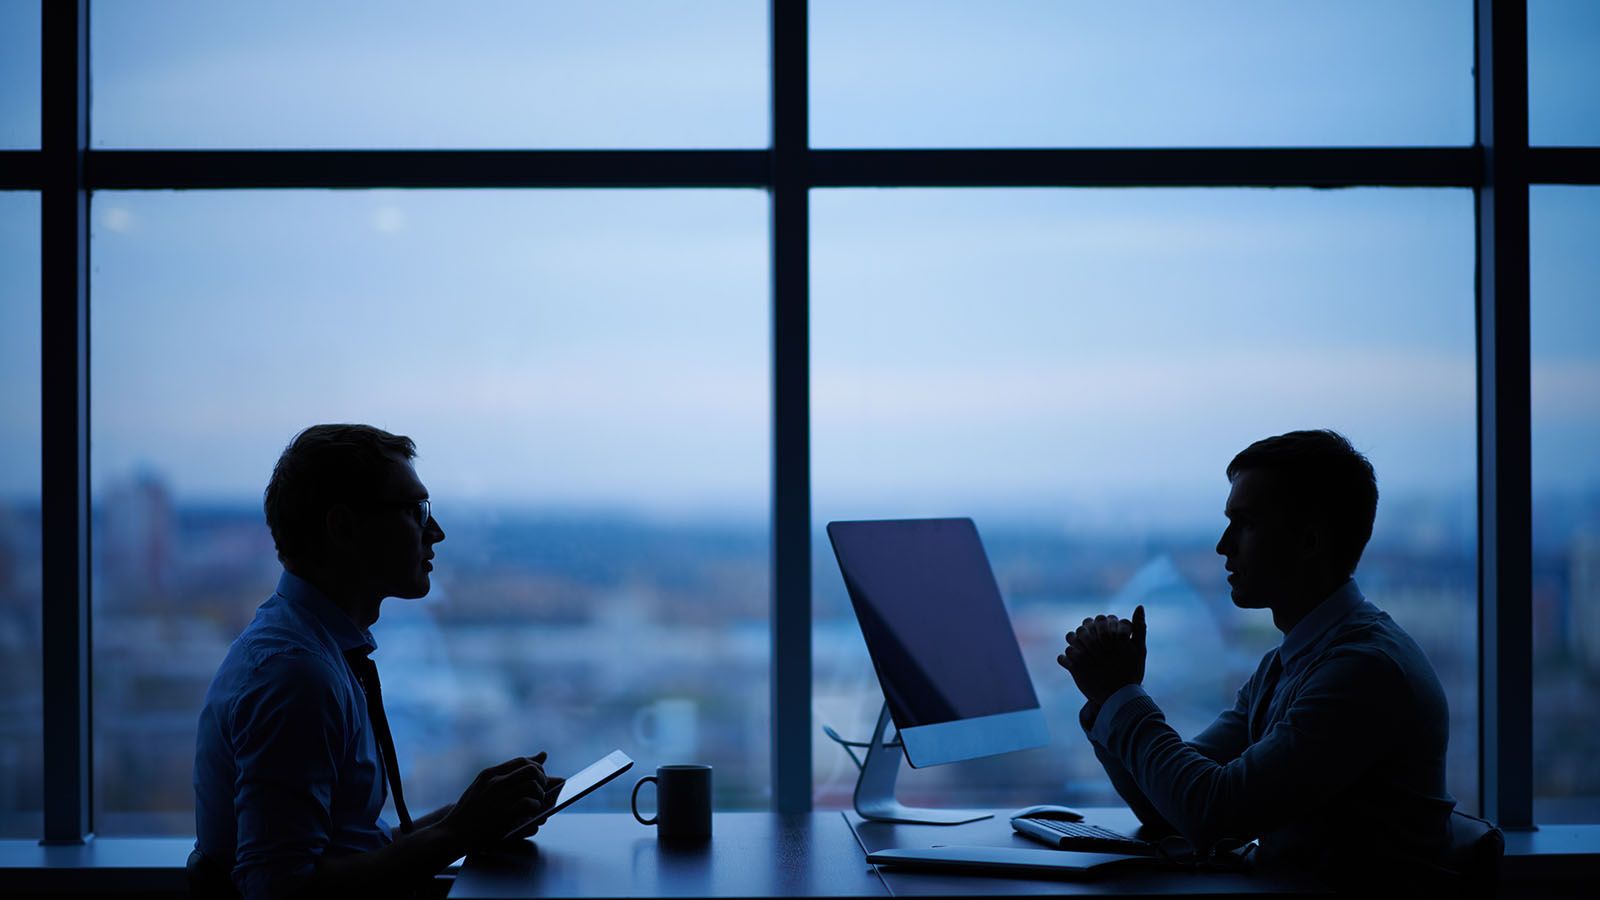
column 415, row 591
column 1244, row 601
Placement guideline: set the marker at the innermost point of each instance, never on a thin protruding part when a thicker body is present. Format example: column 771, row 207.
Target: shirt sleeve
column 288, row 739
column 1227, row 737
column 1109, row 710
column 1222, row 742
column 1090, row 717
column 1332, row 732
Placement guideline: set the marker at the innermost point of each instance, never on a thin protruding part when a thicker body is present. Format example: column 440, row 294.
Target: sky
column 636, row 73
column 1010, row 348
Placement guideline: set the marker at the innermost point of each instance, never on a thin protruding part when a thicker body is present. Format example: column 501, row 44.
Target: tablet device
column 584, row 783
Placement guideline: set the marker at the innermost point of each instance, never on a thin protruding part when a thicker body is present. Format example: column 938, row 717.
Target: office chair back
column 208, row 879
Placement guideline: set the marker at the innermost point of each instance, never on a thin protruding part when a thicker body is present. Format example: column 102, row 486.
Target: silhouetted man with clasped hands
column 1334, row 752
column 294, row 759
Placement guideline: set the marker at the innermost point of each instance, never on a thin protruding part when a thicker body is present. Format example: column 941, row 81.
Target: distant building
column 136, row 542
column 1584, row 606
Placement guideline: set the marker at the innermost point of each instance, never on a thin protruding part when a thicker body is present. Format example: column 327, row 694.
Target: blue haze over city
column 587, row 372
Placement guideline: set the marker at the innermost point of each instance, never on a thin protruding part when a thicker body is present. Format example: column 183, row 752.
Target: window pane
column 1075, row 368
column 1565, row 348
column 21, row 627
column 585, row 374
column 1563, row 72
column 19, row 75
column 1015, row 73
column 429, row 74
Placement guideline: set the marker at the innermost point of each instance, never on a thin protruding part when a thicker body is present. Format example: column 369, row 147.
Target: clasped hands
column 1105, row 654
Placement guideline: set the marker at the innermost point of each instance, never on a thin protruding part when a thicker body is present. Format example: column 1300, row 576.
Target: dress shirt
column 1338, row 767
column 286, row 764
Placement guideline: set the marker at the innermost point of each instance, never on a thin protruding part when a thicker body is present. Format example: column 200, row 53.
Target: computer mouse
column 1049, row 811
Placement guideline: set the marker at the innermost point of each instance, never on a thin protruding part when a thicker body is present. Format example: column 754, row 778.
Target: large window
column 1563, row 72
column 21, row 695
column 1566, row 501
column 19, row 75
column 660, row 289
column 430, row 74
column 585, row 376
column 1074, row 369
column 1140, row 73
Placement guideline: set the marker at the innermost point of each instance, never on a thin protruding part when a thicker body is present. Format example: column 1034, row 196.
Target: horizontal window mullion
column 1266, row 167
column 21, row 170
column 1564, row 165
column 1269, row 167
column 219, row 169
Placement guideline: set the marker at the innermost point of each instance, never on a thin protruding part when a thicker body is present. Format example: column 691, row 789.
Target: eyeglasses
column 422, row 509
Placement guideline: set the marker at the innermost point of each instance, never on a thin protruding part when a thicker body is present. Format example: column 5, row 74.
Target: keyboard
column 1078, row 836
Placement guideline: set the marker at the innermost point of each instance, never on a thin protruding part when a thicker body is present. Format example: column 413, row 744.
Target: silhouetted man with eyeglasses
column 1334, row 752
column 294, row 760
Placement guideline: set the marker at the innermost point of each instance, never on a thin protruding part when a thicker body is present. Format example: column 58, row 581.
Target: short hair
column 325, row 465
column 1326, row 477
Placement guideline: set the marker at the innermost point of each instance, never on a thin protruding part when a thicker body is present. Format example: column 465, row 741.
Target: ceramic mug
column 683, row 801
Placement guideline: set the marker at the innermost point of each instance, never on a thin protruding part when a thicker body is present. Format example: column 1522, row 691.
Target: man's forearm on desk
column 1332, row 731
column 409, row 861
column 1121, row 780
column 431, row 819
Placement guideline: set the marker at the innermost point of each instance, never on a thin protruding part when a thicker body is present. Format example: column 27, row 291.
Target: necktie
column 367, row 673
column 1269, row 685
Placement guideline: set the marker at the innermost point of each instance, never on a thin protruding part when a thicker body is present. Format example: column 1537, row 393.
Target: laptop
column 1020, row 861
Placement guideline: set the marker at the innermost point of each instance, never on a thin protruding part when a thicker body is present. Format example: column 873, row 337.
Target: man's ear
column 339, row 527
column 1313, row 540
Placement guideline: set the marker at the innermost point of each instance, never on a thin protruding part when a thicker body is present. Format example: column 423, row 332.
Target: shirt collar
column 305, row 596
column 1322, row 617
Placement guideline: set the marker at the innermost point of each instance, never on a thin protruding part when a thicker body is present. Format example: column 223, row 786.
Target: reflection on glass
column 1015, row 73
column 369, row 73
column 21, row 576
column 1563, row 72
column 19, row 75
column 585, row 375
column 1075, row 368
column 1565, row 347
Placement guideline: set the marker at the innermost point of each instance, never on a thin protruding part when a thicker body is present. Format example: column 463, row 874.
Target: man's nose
column 434, row 532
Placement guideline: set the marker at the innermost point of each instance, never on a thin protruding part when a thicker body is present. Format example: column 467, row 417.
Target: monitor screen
column 933, row 620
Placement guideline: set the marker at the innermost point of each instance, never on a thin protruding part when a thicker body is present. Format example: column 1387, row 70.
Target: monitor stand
column 875, row 787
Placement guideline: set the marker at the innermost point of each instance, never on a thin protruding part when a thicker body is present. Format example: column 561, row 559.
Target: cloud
column 1566, row 391
column 389, row 219
column 118, row 219
column 1135, row 386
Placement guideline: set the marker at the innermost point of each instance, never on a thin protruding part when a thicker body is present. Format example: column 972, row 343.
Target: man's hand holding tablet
column 510, row 801
column 506, row 801
column 587, row 781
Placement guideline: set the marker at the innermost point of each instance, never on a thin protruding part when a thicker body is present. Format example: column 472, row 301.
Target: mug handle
column 634, row 803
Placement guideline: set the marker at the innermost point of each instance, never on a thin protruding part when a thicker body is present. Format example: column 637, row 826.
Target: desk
column 751, row 854
column 151, row 866
column 997, row 832
column 813, row 854
column 817, row 854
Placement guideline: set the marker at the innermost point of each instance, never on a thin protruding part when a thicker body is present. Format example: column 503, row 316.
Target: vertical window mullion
column 1505, row 558
column 791, row 415
column 64, row 421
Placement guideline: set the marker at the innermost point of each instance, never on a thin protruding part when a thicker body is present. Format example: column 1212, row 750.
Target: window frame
column 1499, row 167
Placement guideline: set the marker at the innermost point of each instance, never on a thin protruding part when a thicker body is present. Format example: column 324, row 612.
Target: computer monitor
column 940, row 639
